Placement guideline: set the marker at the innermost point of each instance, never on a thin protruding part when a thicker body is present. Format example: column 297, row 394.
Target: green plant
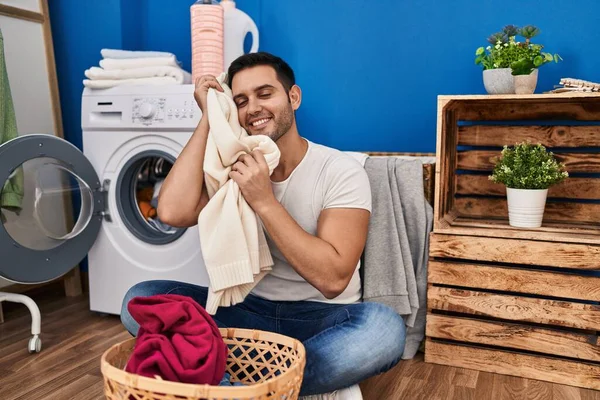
column 505, row 52
column 528, row 166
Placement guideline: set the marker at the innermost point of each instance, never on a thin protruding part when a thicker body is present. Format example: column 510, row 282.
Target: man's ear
column 295, row 97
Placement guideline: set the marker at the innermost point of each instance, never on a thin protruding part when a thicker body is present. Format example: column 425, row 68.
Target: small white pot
column 526, row 207
column 498, row 81
column 525, row 84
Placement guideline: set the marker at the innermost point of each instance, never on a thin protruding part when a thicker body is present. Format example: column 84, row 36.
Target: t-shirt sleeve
column 347, row 185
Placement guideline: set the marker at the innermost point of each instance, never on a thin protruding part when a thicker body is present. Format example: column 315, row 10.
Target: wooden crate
column 471, row 133
column 522, row 302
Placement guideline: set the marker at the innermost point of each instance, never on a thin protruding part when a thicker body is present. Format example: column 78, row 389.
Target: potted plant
column 511, row 66
column 527, row 170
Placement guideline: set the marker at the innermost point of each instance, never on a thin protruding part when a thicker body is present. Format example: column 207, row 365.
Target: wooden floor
column 74, row 339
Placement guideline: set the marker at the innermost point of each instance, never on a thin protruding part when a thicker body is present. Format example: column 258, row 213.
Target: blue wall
column 370, row 70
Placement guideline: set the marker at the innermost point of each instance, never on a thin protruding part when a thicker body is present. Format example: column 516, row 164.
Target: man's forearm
column 313, row 258
column 182, row 192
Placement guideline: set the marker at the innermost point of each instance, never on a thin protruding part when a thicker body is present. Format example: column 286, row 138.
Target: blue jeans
column 345, row 343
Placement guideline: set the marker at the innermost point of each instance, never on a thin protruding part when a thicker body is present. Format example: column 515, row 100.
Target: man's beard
column 282, row 123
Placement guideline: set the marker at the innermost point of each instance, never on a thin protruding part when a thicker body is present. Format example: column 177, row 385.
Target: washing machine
column 131, row 138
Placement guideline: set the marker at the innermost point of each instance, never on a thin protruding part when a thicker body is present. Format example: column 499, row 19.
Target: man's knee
column 140, row 289
column 375, row 344
column 385, row 333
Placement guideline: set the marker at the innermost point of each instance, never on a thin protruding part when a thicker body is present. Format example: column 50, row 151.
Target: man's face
column 264, row 107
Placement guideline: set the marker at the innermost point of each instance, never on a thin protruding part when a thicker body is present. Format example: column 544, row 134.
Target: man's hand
column 251, row 173
column 204, row 83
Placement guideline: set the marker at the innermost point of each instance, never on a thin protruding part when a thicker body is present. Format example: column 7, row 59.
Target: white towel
column 108, row 83
column 232, row 238
column 115, row 53
column 180, row 76
column 124, row 63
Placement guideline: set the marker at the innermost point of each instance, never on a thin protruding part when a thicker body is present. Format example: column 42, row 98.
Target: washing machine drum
column 51, row 204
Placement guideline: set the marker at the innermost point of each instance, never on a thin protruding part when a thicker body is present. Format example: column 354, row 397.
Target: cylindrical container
column 526, row 207
column 207, row 21
column 237, row 25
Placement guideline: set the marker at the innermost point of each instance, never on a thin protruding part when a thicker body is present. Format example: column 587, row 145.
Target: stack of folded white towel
column 124, row 67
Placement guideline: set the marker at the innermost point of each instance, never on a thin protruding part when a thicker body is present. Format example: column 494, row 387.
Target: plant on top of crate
column 527, row 170
column 511, row 66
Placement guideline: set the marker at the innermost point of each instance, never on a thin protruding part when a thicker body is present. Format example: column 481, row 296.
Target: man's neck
column 292, row 148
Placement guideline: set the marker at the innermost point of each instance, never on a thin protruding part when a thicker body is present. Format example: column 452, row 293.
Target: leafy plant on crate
column 511, row 66
column 527, row 170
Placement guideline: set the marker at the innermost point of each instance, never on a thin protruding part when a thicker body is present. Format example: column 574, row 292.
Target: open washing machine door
column 39, row 175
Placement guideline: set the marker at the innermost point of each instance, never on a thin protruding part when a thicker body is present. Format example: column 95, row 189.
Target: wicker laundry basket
column 270, row 365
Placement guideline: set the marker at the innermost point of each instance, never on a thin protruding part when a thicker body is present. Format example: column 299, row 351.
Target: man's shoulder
column 340, row 171
column 343, row 179
column 324, row 151
column 334, row 158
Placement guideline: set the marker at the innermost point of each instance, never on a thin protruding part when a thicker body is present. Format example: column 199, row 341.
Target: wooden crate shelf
column 561, row 371
column 537, row 320
column 521, row 302
column 471, row 133
column 517, row 251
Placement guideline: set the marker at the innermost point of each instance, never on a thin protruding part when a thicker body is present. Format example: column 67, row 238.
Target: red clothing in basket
column 177, row 340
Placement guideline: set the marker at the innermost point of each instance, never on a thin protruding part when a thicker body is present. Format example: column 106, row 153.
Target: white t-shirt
column 325, row 178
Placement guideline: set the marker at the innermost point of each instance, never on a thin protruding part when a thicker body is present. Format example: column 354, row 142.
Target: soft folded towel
column 108, row 83
column 396, row 252
column 116, row 53
column 232, row 238
column 180, row 75
column 177, row 341
column 124, row 63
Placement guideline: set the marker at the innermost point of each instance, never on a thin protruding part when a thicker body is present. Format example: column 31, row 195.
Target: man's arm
column 183, row 194
column 328, row 260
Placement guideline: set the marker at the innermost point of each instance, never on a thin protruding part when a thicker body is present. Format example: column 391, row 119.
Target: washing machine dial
column 147, row 110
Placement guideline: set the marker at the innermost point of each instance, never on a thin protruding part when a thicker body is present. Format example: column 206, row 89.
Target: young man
column 315, row 208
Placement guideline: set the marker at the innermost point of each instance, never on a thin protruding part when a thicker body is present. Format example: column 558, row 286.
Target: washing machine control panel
column 159, row 110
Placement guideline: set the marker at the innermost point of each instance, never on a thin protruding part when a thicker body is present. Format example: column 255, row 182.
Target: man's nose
column 253, row 107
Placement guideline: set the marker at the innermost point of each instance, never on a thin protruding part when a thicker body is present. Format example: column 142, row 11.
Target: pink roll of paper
column 207, row 38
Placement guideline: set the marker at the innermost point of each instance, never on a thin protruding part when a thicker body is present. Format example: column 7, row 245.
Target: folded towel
column 232, row 239
column 108, row 83
column 181, row 76
column 115, row 53
column 177, row 341
column 135, row 68
column 124, row 63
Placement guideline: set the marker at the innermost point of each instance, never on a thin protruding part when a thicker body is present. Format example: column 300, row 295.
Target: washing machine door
column 42, row 235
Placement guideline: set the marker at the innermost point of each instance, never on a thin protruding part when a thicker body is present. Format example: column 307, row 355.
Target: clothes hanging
column 11, row 197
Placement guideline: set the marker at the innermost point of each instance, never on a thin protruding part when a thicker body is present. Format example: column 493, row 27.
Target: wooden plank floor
column 74, row 339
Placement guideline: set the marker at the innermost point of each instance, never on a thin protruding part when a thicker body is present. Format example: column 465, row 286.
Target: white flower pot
column 498, row 81
column 525, row 84
column 526, row 207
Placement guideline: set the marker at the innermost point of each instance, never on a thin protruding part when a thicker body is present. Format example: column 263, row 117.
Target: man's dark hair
column 285, row 74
